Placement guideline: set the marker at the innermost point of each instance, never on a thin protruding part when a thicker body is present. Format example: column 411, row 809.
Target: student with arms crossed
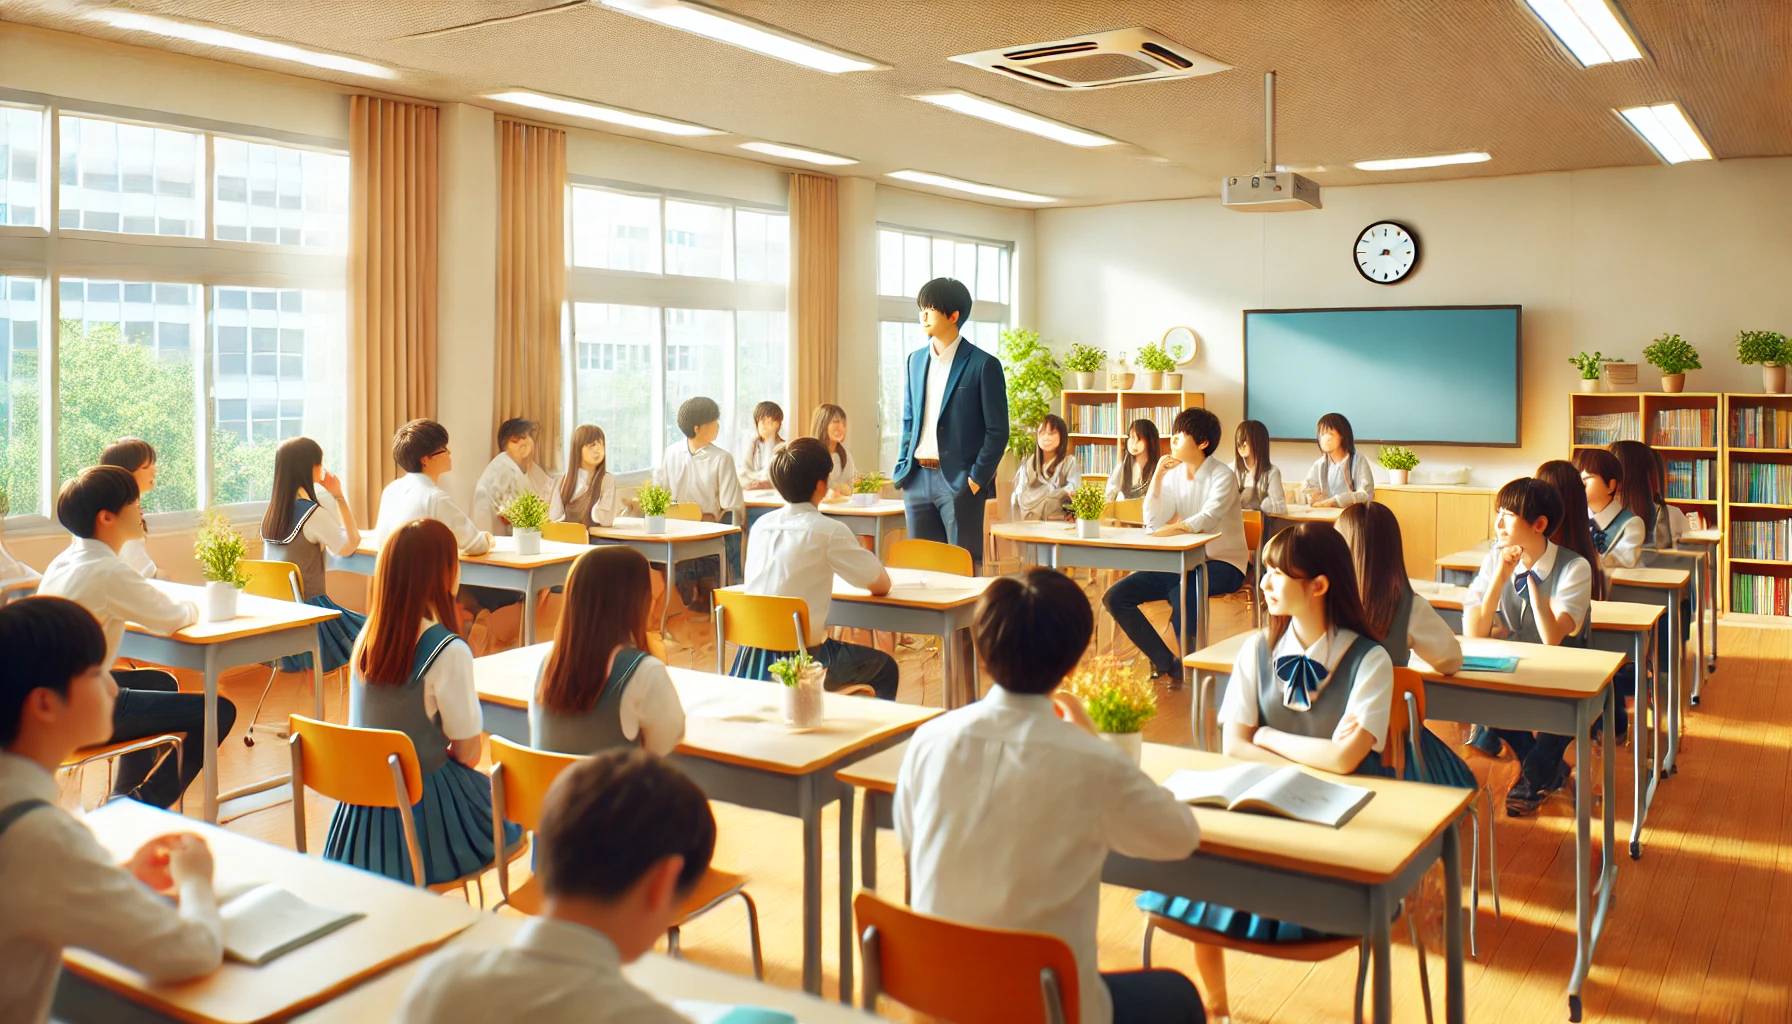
column 513, row 471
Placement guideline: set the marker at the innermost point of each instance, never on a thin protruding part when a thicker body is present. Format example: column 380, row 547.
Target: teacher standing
column 954, row 425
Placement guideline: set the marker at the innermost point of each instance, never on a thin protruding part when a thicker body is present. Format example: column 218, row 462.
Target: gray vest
column 296, row 549
column 578, row 510
column 1611, row 533
column 1321, row 720
column 1398, row 642
column 401, row 707
column 1515, row 608
column 593, row 731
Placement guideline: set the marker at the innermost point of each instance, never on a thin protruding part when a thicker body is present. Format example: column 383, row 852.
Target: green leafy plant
column 1768, row 348
column 1088, row 501
column 870, row 483
column 1118, row 694
column 654, row 500
column 1672, row 355
column 526, row 511
column 789, row 671
column 1392, row 456
column 220, row 551
column 1033, row 377
column 1085, row 358
column 1153, row 359
column 1589, row 365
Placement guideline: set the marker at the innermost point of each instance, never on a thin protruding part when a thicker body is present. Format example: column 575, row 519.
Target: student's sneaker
column 1523, row 799
column 1484, row 740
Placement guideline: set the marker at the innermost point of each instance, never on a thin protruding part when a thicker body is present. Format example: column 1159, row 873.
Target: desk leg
column 1381, row 952
column 809, row 811
column 868, row 840
column 210, row 771
column 666, row 605
column 1583, row 850
column 1639, row 805
column 1699, row 596
column 846, row 891
column 1676, row 655
column 949, row 687
column 529, row 596
column 1454, row 996
column 1711, row 574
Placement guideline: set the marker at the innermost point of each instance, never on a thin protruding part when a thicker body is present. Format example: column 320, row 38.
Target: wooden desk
column 738, row 749
column 1698, row 563
column 402, row 923
column 263, row 630
column 1706, row 542
column 876, row 521
column 1460, row 567
column 501, row 568
column 683, row 541
column 1664, row 587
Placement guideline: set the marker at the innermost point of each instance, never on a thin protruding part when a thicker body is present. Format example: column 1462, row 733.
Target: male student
column 420, row 448
column 697, row 470
column 624, row 837
column 1191, row 492
column 61, row 888
column 1007, row 809
column 797, row 552
column 511, row 473
column 104, row 510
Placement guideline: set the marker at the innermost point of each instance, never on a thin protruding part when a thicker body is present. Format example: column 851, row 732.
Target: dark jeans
column 1154, row 997
column 1124, row 598
column 150, row 704
column 852, row 664
column 1541, row 754
column 935, row 512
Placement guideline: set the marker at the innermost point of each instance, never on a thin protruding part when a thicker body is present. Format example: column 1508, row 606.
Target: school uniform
column 797, row 552
column 1618, row 535
column 1206, row 499
column 840, row 480
column 1006, row 814
column 435, row 704
column 1262, row 491
column 415, row 496
column 708, row 478
column 1122, row 486
column 1041, row 492
column 1418, row 628
column 149, row 702
column 317, row 529
column 638, row 701
column 756, row 460
column 502, row 482
column 136, row 555
column 1351, row 483
column 587, row 508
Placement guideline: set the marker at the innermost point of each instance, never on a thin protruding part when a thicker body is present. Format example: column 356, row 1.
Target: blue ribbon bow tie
column 1521, row 582
column 1300, row 677
column 1600, row 540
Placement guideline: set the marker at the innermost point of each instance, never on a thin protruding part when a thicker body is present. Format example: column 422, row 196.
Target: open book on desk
column 1286, row 792
column 263, row 922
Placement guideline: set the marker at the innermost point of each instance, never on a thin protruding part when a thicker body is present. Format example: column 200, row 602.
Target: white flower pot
column 220, row 602
column 1082, row 380
column 1172, row 381
column 803, row 702
column 1398, row 477
column 1773, row 379
column 865, row 499
column 1088, row 529
column 1673, row 383
column 1589, row 386
column 656, row 524
column 528, row 542
column 1151, row 380
column 1120, row 381
column 1132, row 744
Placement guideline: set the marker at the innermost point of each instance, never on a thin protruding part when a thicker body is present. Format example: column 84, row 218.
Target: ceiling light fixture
column 593, row 112
column 1590, row 29
column 1009, row 117
column 1667, row 130
column 132, row 21
column 809, row 156
column 734, row 30
column 1407, row 163
column 960, row 185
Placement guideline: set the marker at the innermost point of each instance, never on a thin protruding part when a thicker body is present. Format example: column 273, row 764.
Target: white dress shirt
column 1006, row 814
column 1670, row 526
column 1626, row 549
column 603, row 511
column 136, row 555
column 415, row 496
column 502, row 481
column 324, row 526
column 796, row 551
column 840, row 479
column 650, row 709
column 756, row 461
column 1352, row 483
column 1371, row 693
column 939, row 367
column 63, row 889
column 1275, row 497
column 1574, row 589
column 91, row 575
column 448, row 690
column 553, row 972
column 1205, row 498
column 1045, row 493
column 706, row 477
column 1429, row 637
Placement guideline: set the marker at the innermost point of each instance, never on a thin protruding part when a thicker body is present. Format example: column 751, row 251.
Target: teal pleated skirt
column 454, row 827
column 336, row 637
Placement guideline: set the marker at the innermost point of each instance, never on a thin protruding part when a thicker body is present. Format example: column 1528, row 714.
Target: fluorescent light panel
column 134, row 21
column 960, row 185
column 989, row 110
column 593, row 112
column 794, row 153
column 737, row 31
column 1589, row 29
column 1407, row 163
column 1666, row 129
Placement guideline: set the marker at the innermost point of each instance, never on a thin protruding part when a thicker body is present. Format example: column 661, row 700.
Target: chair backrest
column 17, row 589
column 930, row 555
column 1405, row 719
column 1131, row 510
column 521, row 777
column 348, row 764
column 278, row 580
column 761, row 620
column 961, row 973
column 565, row 533
column 1253, row 528
column 684, row 510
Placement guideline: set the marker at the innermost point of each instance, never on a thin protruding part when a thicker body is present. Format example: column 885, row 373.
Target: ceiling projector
column 1269, row 190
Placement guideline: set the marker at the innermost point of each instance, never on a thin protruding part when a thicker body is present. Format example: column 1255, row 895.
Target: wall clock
column 1386, row 252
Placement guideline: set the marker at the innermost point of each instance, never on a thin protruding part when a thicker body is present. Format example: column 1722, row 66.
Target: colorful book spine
column 1685, row 428
column 1770, row 539
column 1761, row 483
column 1692, row 480
column 1098, row 459
column 1759, row 426
column 1759, row 595
column 1604, row 428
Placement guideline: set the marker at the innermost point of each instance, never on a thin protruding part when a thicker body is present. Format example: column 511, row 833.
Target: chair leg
column 1145, row 954
column 1474, row 877
column 1362, row 977
column 249, row 733
column 672, row 943
column 753, row 935
column 1493, row 860
column 1412, row 931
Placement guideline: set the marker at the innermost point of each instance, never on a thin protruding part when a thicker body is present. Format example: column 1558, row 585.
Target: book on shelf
column 1759, row 595
column 1765, row 538
column 1685, row 428
column 1605, row 427
column 1266, row 789
column 1761, row 483
column 1759, row 426
column 1095, row 419
column 1691, row 479
column 1098, row 459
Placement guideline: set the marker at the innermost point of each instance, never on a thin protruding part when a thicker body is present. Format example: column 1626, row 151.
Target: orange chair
column 565, row 533
column 278, row 581
column 520, row 780
column 686, row 510
column 1253, row 542
column 961, row 973
column 77, row 762
column 759, row 620
column 930, row 555
column 1130, row 512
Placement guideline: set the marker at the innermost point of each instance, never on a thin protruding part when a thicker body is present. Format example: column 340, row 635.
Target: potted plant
column 1397, row 461
column 1120, row 699
column 1589, row 366
column 1673, row 357
column 1173, row 376
column 654, row 501
column 1769, row 348
column 1155, row 362
column 867, row 487
column 220, row 549
column 1033, row 377
column 1120, row 378
column 525, row 514
column 1082, row 364
column 1086, row 506
column 802, row 677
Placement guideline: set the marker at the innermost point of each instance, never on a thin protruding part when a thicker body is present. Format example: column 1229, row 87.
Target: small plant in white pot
column 1589, row 367
column 1673, row 356
column 526, row 513
column 1086, row 506
column 654, row 501
column 868, row 487
column 1155, row 362
column 1120, row 700
column 1172, row 376
column 1770, row 349
column 1398, row 461
column 220, row 550
column 1082, row 364
column 802, row 677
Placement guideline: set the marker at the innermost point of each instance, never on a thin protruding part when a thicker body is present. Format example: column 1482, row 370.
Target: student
column 1575, row 532
column 600, row 688
column 1259, row 482
column 696, row 470
column 1132, row 477
column 1007, row 809
column 1046, row 479
column 1390, row 609
column 103, row 509
column 587, row 493
column 307, row 516
column 62, row 888
column 511, row 473
column 138, row 458
column 1646, row 466
column 758, row 445
column 412, row 674
column 420, row 448
column 797, row 552
column 1339, row 476
column 829, row 427
column 1190, row 492
column 1617, row 532
column 624, row 838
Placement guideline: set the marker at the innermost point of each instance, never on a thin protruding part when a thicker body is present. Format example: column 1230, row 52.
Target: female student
column 304, row 520
column 138, row 458
column 1259, row 482
column 588, row 494
column 1132, row 478
column 1339, row 476
column 411, row 673
column 1627, row 495
column 758, row 445
column 1046, row 479
column 1405, row 624
column 600, row 688
column 829, row 426
column 1666, row 523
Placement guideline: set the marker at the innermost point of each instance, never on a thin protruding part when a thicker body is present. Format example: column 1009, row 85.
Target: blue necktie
column 1300, row 677
column 1599, row 538
column 1521, row 582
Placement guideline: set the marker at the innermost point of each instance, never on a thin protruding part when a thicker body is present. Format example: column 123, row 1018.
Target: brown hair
column 412, row 580
column 798, row 466
column 1146, row 430
column 1255, row 434
column 1373, row 536
column 294, row 462
column 1574, row 532
column 416, row 441
column 608, row 593
column 1306, row 552
column 98, row 489
column 129, row 454
column 1057, row 424
column 609, row 818
column 825, row 415
column 582, row 435
column 769, row 410
column 1641, row 488
column 1337, row 424
column 1032, row 629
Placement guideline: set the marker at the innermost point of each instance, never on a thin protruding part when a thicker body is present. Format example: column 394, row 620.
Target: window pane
column 614, row 378
column 614, row 231
column 942, row 258
column 896, row 339
column 21, row 140
column 699, row 356
column 964, row 265
column 280, row 370
column 989, row 284
column 917, row 268
column 113, row 385
column 986, row 335
column 761, row 246
column 889, row 263
column 279, row 195
column 699, row 241
column 130, row 178
column 21, row 317
column 761, row 359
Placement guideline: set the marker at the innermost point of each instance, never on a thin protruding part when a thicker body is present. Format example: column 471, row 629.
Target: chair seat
column 1308, row 950
column 103, row 751
column 715, row 886
column 511, row 856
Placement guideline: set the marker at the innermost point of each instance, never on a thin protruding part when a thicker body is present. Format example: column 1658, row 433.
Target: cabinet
column 1437, row 521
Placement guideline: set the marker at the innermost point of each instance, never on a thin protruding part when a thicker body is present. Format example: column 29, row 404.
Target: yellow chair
column 16, row 589
column 686, row 510
column 520, row 780
column 1130, row 512
column 759, row 620
column 565, row 533
column 277, row 581
column 930, row 555
column 1253, row 542
column 76, row 763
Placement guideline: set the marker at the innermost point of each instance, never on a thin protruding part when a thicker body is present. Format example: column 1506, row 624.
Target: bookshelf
column 1758, row 507
column 1098, row 422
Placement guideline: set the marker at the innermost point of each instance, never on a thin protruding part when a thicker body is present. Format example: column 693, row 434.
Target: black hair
column 294, row 462
column 1255, row 434
column 416, row 441
column 695, row 412
column 98, row 489
column 1032, row 629
column 1337, row 424
column 513, row 428
column 946, row 295
column 1131, row 478
column 48, row 642
column 1575, row 531
column 1062, row 429
column 799, row 466
column 129, row 453
column 1201, row 427
column 767, row 411
column 609, row 818
column 1531, row 499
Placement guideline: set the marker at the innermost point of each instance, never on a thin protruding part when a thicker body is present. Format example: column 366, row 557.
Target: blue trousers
column 150, row 704
column 1154, row 997
column 935, row 512
column 1140, row 588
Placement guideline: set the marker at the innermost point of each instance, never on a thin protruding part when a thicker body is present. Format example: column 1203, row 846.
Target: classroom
column 754, row 511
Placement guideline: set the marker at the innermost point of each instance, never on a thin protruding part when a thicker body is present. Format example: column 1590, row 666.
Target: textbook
column 1265, row 789
column 264, row 922
column 725, row 1013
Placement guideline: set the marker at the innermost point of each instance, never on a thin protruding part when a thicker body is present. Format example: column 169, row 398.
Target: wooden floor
column 1699, row 929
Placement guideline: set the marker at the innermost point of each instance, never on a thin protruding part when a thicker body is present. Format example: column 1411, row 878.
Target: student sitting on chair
column 1618, row 533
column 1047, row 478
column 138, row 458
column 512, row 472
column 758, row 445
column 1339, row 476
column 829, row 427
column 696, row 470
column 1259, row 481
column 307, row 516
column 62, row 888
column 587, row 494
column 624, row 837
column 1130, row 479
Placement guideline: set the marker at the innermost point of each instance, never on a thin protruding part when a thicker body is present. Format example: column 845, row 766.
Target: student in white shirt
column 307, row 519
column 1046, row 479
column 696, row 470
column 1191, row 492
column 138, row 458
column 797, row 552
column 1617, row 532
column 829, row 427
column 1340, row 476
column 101, row 507
column 511, row 473
column 1008, row 808
column 1259, row 481
column 758, row 445
column 62, row 888
column 1132, row 477
column 624, row 839
column 587, row 493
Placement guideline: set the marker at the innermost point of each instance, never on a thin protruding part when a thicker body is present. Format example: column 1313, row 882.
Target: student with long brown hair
column 1575, row 532
column 587, row 493
column 600, row 688
column 1340, row 475
column 1047, row 478
column 1403, row 623
column 1132, row 477
column 1259, row 481
column 828, row 426
column 308, row 515
column 1640, row 488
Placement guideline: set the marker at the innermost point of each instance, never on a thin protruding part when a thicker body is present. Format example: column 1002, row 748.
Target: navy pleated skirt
column 335, row 636
column 454, row 827
column 755, row 663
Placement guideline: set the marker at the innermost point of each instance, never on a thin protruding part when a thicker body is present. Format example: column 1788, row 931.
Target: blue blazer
column 973, row 425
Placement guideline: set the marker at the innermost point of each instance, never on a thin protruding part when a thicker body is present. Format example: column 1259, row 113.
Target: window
column 279, row 195
column 699, row 242
column 21, row 320
column 615, row 231
column 761, row 246
column 614, row 386
column 21, row 142
column 131, row 179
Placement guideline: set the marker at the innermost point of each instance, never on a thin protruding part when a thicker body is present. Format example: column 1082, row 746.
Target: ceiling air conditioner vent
column 1096, row 61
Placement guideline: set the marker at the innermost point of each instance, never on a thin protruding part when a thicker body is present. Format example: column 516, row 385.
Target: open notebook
column 1265, row 789
column 263, row 921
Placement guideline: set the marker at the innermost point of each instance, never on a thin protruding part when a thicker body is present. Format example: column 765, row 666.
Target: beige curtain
column 531, row 280
column 814, row 291
column 392, row 282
